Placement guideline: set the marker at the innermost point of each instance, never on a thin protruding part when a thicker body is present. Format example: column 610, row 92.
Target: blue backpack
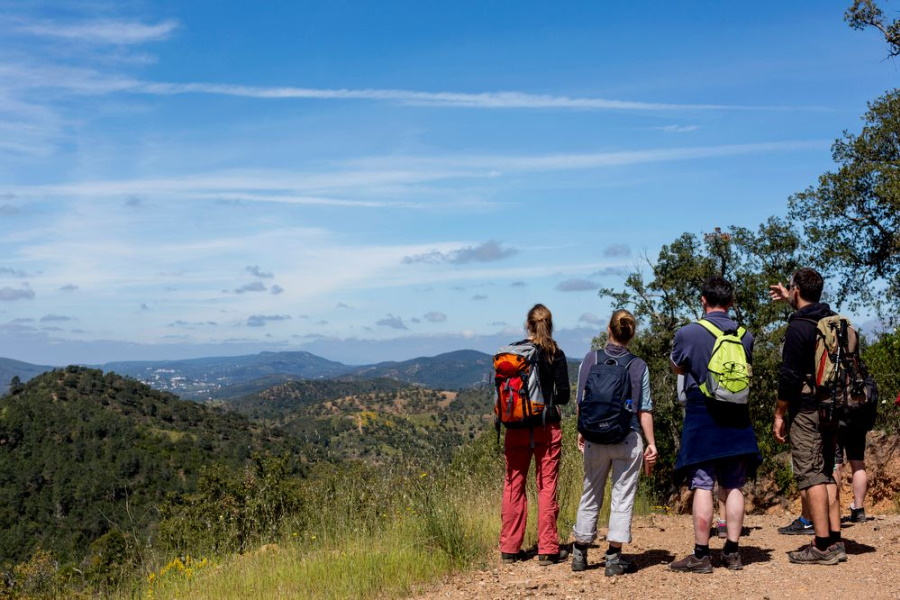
column 605, row 411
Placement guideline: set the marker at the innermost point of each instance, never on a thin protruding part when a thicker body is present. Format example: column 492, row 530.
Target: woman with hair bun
column 623, row 457
column 539, row 436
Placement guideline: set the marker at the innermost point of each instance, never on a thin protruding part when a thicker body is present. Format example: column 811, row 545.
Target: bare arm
column 778, row 426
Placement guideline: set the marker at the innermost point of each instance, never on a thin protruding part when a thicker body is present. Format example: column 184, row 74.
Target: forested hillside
column 83, row 453
column 371, row 419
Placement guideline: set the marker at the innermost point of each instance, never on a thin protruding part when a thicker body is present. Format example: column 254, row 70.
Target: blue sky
column 380, row 180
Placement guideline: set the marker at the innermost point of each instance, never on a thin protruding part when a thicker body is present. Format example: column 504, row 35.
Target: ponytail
column 540, row 326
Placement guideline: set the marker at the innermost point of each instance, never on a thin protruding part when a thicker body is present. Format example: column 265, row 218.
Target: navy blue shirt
column 712, row 429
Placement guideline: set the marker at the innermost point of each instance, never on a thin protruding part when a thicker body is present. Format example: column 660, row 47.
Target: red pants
column 547, row 450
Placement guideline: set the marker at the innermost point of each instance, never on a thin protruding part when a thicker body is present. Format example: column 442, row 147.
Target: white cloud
column 101, row 31
column 677, row 128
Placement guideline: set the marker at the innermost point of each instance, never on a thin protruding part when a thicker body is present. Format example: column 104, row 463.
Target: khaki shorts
column 812, row 450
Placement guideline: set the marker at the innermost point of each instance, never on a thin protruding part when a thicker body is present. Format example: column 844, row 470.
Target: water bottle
column 629, row 405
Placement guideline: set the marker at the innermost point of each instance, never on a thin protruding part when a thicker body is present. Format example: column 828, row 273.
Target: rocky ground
column 871, row 572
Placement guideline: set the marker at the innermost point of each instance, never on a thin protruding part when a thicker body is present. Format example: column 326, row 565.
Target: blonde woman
column 540, row 436
column 608, row 375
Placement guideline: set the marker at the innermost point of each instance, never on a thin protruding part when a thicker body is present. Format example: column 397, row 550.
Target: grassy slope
column 426, row 525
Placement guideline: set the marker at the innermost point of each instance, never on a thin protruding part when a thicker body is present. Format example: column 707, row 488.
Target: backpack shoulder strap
column 707, row 325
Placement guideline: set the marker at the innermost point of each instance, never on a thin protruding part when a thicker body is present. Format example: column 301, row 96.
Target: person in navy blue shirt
column 718, row 444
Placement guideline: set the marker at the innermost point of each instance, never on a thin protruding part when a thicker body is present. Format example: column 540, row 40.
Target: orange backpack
column 519, row 397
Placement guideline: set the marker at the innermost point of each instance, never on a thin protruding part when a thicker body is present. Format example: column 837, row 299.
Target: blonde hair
column 540, row 326
column 622, row 326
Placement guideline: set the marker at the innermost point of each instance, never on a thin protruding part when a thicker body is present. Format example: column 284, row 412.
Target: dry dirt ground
column 872, row 571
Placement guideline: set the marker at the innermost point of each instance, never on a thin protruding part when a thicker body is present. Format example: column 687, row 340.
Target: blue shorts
column 730, row 473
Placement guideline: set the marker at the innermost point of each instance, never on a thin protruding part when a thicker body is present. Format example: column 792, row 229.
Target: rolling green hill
column 83, row 452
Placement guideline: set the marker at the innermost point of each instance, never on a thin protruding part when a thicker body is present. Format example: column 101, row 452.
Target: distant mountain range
column 202, row 378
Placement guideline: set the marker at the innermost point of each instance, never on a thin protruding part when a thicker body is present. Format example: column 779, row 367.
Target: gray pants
column 625, row 460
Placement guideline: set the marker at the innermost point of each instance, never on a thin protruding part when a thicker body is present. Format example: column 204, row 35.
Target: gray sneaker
column 692, row 564
column 616, row 564
column 579, row 557
column 840, row 550
column 810, row 555
column 732, row 561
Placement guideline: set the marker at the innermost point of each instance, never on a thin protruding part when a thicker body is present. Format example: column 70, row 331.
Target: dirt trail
column 872, row 571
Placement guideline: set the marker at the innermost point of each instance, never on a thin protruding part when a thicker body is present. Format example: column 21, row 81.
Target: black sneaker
column 545, row 560
column 797, row 527
column 511, row 557
column 857, row 515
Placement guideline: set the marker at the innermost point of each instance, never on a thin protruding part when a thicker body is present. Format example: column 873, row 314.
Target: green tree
column 851, row 219
column 866, row 13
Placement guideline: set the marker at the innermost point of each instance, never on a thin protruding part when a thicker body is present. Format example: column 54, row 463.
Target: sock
column 835, row 537
column 701, row 551
column 613, row 550
column 721, row 524
column 730, row 547
column 804, row 521
column 822, row 543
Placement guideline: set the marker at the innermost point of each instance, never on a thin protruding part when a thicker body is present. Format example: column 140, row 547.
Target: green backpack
column 728, row 372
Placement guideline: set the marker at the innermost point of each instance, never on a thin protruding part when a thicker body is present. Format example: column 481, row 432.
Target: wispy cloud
column 253, row 286
column 257, row 272
column 677, row 128
column 488, row 100
column 617, row 250
column 102, row 31
column 576, row 285
column 71, row 287
column 489, row 251
column 609, row 271
column 590, row 319
column 12, row 272
column 391, row 321
column 8, row 294
column 261, row 320
column 56, row 318
column 435, row 317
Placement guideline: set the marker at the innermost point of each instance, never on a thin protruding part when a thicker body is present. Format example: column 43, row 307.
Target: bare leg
column 703, row 515
column 734, row 512
column 860, row 482
column 819, row 509
column 834, row 508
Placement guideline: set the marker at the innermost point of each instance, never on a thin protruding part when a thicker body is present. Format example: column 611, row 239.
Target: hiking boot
column 579, row 557
column 810, row 555
column 509, row 558
column 692, row 564
column 840, row 550
column 545, row 560
column 797, row 527
column 732, row 561
column 616, row 564
column 857, row 515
